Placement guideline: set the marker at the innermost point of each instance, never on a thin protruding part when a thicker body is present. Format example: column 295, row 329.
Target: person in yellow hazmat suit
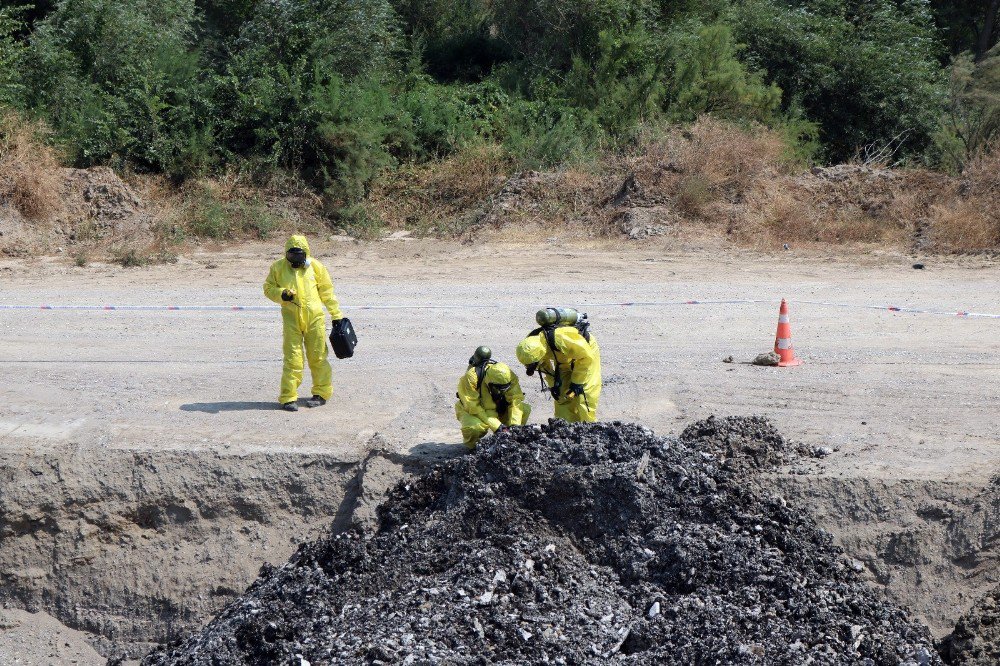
column 489, row 398
column 301, row 285
column 570, row 366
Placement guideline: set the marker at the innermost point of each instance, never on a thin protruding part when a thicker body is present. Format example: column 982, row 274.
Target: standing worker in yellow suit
column 569, row 361
column 301, row 285
column 489, row 398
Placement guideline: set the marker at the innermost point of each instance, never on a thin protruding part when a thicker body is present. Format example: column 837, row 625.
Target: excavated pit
column 142, row 548
column 137, row 548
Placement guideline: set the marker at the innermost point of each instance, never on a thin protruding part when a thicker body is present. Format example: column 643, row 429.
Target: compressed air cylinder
column 557, row 316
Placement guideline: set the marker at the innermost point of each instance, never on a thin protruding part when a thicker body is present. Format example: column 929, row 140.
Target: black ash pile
column 573, row 544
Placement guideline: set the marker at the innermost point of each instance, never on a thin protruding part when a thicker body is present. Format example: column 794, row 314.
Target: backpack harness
column 582, row 325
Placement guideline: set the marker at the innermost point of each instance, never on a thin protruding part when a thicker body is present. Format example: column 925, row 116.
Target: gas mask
column 296, row 256
column 481, row 355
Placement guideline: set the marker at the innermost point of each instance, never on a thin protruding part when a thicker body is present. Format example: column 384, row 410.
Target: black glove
column 287, row 295
column 530, row 369
column 555, row 392
column 577, row 389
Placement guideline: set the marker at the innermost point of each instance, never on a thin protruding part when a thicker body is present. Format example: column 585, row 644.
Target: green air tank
column 557, row 317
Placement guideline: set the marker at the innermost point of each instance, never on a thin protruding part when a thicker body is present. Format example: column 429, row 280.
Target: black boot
column 290, row 407
column 315, row 401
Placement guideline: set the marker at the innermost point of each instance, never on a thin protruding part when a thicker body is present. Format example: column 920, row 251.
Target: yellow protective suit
column 574, row 361
column 303, row 319
column 476, row 410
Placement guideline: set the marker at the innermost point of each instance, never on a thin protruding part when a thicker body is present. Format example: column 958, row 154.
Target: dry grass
column 710, row 179
column 441, row 196
column 29, row 169
column 970, row 221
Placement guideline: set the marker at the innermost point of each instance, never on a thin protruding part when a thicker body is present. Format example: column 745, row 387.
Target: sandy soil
column 36, row 639
column 899, row 395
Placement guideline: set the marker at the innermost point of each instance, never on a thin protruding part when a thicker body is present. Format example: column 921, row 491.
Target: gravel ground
column 898, row 395
column 573, row 544
column 36, row 639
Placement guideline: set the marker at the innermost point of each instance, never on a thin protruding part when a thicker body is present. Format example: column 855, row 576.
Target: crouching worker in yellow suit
column 489, row 398
column 301, row 285
column 570, row 365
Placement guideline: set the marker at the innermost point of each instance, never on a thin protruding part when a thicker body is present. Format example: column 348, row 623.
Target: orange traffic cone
column 783, row 340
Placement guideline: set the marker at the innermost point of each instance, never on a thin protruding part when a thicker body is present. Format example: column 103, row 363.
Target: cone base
column 790, row 364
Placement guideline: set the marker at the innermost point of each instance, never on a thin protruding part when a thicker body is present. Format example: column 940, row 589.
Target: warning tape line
column 964, row 314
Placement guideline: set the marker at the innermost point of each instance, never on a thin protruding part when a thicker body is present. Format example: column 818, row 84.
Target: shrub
column 546, row 35
column 841, row 62
column 120, row 80
column 10, row 52
column 359, row 221
column 708, row 78
column 219, row 211
column 622, row 86
column 971, row 122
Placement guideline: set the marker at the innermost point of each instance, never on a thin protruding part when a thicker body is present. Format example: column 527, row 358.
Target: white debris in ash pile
column 573, row 544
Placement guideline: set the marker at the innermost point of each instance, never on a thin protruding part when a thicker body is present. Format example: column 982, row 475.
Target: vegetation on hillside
column 340, row 93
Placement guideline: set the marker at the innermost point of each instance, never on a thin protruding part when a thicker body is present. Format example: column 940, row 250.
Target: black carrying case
column 343, row 339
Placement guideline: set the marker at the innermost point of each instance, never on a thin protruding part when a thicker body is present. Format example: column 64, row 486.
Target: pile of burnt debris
column 573, row 544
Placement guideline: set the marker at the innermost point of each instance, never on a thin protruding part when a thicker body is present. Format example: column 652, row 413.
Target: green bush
column 209, row 218
column 708, row 78
column 358, row 221
column 11, row 22
column 623, row 85
column 544, row 135
column 546, row 35
column 865, row 70
column 971, row 122
column 119, row 80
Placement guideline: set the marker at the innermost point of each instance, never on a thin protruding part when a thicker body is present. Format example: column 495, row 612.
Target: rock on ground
column 573, row 544
column 976, row 638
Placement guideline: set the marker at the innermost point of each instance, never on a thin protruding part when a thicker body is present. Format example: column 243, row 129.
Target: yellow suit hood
column 299, row 242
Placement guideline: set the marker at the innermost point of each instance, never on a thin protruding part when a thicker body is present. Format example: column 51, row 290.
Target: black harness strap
column 498, row 396
column 583, row 327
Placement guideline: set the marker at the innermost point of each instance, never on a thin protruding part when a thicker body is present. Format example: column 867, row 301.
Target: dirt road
column 900, row 395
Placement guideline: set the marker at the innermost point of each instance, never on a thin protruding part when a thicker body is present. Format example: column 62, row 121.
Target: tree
column 10, row 52
column 866, row 70
column 971, row 124
column 969, row 25
column 119, row 79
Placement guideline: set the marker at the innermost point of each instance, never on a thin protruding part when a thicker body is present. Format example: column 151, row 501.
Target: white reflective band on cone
column 782, row 319
column 784, row 343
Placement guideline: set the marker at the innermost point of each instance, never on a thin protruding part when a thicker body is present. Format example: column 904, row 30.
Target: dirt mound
column 95, row 207
column 976, row 638
column 572, row 544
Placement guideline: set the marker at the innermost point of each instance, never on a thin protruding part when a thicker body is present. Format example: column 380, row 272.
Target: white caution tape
column 481, row 306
